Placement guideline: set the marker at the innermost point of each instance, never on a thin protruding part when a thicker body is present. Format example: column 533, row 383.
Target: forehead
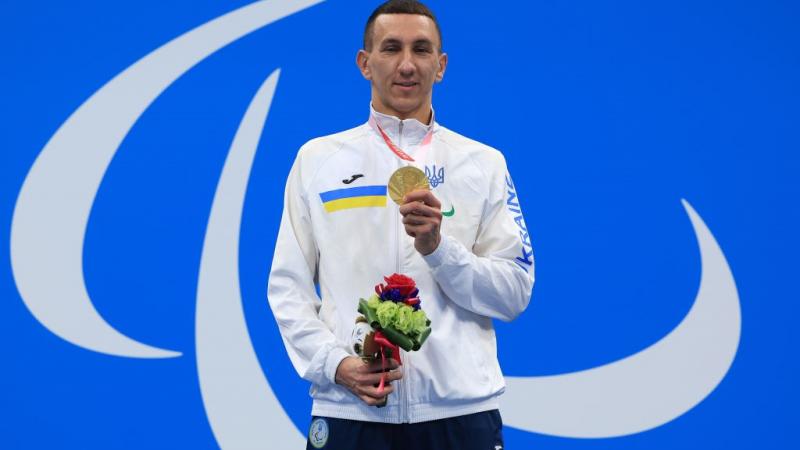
column 404, row 27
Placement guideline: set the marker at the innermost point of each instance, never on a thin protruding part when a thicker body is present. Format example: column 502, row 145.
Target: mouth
column 405, row 84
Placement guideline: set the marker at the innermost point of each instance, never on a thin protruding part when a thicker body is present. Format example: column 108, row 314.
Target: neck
column 423, row 114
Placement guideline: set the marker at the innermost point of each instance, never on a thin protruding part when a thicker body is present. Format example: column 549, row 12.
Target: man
column 472, row 262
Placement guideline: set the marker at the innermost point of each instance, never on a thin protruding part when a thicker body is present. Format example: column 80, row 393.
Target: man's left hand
column 422, row 218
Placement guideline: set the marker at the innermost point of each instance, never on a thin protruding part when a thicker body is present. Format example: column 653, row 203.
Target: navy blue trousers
column 479, row 431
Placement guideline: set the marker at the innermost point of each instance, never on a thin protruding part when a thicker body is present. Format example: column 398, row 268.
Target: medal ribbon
column 423, row 147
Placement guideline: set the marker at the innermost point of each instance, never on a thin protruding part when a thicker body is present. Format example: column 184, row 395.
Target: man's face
column 403, row 64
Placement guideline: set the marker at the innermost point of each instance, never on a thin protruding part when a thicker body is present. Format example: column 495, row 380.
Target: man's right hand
column 362, row 378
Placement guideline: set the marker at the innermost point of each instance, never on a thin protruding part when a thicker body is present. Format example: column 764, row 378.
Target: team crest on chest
column 435, row 177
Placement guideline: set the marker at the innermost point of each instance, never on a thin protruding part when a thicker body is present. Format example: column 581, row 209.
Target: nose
column 407, row 66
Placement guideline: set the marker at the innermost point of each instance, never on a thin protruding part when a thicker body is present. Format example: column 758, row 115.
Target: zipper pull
column 400, row 135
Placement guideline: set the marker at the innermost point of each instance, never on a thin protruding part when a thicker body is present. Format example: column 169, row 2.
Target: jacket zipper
column 405, row 382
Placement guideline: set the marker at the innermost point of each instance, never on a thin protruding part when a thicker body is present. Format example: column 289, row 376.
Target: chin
column 405, row 109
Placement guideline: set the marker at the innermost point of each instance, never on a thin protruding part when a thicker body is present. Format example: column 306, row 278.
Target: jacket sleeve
column 312, row 347
column 495, row 277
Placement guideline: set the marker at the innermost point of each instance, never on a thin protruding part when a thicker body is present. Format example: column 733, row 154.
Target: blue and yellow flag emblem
column 354, row 197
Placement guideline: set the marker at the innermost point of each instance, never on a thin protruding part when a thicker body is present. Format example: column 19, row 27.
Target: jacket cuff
column 437, row 257
column 335, row 357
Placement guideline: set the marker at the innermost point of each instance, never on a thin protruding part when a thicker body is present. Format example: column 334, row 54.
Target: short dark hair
column 399, row 7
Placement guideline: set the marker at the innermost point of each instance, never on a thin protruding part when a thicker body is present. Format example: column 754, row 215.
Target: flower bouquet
column 391, row 318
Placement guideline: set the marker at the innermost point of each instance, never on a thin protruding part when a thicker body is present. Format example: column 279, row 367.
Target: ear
column 442, row 67
column 361, row 61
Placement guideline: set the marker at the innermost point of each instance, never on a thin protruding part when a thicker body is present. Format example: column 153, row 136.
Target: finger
column 394, row 375
column 422, row 195
column 413, row 219
column 374, row 392
column 377, row 367
column 369, row 379
column 412, row 230
column 420, row 230
column 372, row 401
column 371, row 366
column 420, row 209
column 391, row 373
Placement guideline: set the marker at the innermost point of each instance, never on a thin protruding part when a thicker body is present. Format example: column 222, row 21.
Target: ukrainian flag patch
column 354, row 197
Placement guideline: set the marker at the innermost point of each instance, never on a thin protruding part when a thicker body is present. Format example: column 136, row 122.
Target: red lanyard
column 423, row 147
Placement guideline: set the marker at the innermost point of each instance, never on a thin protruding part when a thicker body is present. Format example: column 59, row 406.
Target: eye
column 422, row 49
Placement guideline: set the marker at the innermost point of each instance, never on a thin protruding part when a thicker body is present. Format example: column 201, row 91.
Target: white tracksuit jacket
column 348, row 236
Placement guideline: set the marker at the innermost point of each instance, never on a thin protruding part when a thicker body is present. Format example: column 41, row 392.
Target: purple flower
column 393, row 295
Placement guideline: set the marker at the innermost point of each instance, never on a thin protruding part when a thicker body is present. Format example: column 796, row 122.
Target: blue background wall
column 608, row 113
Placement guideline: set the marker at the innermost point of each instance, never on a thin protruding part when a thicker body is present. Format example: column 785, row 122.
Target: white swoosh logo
column 241, row 407
column 52, row 210
column 651, row 387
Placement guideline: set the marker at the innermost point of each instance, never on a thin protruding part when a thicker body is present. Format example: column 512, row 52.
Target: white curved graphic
column 54, row 203
column 241, row 407
column 651, row 387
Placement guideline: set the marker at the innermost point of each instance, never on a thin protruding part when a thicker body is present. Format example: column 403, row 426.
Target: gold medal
column 405, row 180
